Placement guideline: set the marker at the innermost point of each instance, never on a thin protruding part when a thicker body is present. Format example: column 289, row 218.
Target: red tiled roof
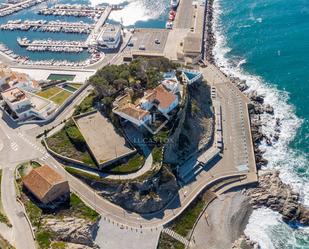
column 40, row 180
column 133, row 111
column 163, row 96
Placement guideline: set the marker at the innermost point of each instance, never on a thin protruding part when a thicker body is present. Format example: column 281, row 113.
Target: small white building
column 110, row 37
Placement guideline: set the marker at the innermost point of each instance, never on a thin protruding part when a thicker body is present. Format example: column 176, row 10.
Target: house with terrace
column 149, row 110
column 22, row 105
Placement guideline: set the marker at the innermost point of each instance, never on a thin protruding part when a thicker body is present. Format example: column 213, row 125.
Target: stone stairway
column 176, row 236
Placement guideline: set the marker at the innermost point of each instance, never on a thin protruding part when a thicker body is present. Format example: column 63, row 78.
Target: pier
column 8, row 9
column 93, row 36
column 52, row 45
column 52, row 26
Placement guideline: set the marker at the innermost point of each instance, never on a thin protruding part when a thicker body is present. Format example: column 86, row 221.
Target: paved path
column 22, row 232
column 176, row 236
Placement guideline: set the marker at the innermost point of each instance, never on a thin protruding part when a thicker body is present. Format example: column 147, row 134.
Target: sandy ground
column 227, row 217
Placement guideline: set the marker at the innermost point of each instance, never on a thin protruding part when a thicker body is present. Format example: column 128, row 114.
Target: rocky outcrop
column 210, row 37
column 245, row 243
column 278, row 196
column 141, row 196
column 72, row 230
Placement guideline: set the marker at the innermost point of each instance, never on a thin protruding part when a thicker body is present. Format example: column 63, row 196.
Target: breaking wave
column 135, row 10
column 280, row 156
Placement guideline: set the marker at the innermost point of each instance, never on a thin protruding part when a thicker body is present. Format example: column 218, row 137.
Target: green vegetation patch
column 86, row 105
column 157, row 154
column 69, row 142
column 65, row 77
column 133, row 165
column 79, row 209
column 58, row 245
column 185, row 222
column 49, row 92
column 44, row 239
column 168, row 242
column 61, row 97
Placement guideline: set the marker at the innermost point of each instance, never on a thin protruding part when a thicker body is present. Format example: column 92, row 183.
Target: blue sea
column 266, row 43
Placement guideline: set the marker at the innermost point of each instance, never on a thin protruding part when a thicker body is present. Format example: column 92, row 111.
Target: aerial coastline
column 146, row 190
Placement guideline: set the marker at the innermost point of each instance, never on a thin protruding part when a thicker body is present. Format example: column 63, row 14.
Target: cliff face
column 194, row 131
column 78, row 232
column 140, row 196
column 280, row 197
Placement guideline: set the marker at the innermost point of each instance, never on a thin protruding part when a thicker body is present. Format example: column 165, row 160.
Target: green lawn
column 167, row 242
column 75, row 85
column 61, row 97
column 134, row 164
column 157, row 154
column 49, row 92
column 70, row 143
column 184, row 223
column 67, row 77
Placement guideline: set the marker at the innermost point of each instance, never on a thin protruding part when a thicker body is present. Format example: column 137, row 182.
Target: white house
column 110, row 37
column 24, row 105
column 160, row 97
column 134, row 114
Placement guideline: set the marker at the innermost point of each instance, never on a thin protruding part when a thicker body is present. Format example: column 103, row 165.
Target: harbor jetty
column 11, row 8
column 52, row 45
column 52, row 26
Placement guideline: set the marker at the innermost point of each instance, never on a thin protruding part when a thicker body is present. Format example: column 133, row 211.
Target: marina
column 10, row 8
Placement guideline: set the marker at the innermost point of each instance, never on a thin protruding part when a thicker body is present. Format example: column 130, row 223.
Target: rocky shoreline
column 271, row 192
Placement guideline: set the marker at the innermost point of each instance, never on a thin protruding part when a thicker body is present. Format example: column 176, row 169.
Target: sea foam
column 135, row 10
column 279, row 155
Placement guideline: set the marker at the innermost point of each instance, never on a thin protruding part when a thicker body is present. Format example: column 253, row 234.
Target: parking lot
column 148, row 41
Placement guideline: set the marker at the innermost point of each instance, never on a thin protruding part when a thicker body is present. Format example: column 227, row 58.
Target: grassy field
column 67, row 77
column 49, row 92
column 134, row 164
column 184, row 223
column 67, row 146
column 167, row 242
column 61, row 97
column 3, row 217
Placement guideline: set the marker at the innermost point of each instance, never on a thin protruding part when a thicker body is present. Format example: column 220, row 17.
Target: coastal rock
column 278, row 196
column 73, row 230
column 245, row 243
column 142, row 197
